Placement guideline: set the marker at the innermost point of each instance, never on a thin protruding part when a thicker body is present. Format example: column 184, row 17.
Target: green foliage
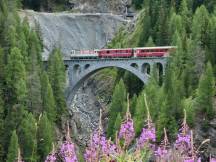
column 45, row 136
column 188, row 105
column 2, row 110
column 48, row 99
column 140, row 113
column 150, row 42
column 118, row 105
column 16, row 77
column 117, row 122
column 34, row 101
column 200, row 25
column 27, row 137
column 56, row 73
column 13, row 148
column 205, row 93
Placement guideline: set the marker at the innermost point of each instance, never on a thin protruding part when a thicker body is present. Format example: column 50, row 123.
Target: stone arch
column 160, row 71
column 76, row 69
column 86, row 66
column 93, row 69
column 146, row 68
column 134, row 65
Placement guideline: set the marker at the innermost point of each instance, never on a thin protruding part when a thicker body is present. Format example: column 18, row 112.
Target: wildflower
column 162, row 150
column 127, row 132
column 67, row 149
column 99, row 146
column 51, row 157
column 67, row 152
column 148, row 134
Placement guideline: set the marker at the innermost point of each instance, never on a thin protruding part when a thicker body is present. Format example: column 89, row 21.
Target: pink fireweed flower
column 51, row 158
column 163, row 150
column 212, row 159
column 67, row 152
column 184, row 140
column 99, row 147
column 127, row 132
column 148, row 134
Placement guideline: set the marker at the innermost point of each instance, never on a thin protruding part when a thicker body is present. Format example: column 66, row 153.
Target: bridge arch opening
column 134, row 65
column 160, row 69
column 80, row 82
column 146, row 68
column 86, row 66
column 76, row 69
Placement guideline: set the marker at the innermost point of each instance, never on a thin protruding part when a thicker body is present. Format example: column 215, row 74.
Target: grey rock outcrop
column 102, row 6
column 74, row 30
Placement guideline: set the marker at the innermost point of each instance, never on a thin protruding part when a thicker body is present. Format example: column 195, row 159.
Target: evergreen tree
column 2, row 68
column 48, row 99
column 12, row 154
column 132, row 83
column 117, row 123
column 140, row 113
column 2, row 116
column 34, row 101
column 185, row 14
column 118, row 105
column 205, row 93
column 45, row 137
column 150, row 42
column 16, row 77
column 27, row 136
column 133, row 104
column 200, row 25
column 56, row 72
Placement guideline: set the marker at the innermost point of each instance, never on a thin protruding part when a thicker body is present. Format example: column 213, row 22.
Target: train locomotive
column 162, row 51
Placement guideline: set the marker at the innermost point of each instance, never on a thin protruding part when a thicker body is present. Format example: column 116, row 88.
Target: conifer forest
column 171, row 118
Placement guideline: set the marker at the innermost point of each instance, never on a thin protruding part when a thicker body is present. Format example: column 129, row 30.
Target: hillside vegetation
column 189, row 82
column 32, row 104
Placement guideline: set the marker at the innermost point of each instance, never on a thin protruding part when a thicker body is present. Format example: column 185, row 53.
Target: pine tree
column 132, row 83
column 117, row 123
column 200, row 25
column 2, row 110
column 205, row 93
column 45, row 137
column 133, row 104
column 27, row 136
column 12, row 154
column 185, row 14
column 140, row 113
column 34, row 101
column 150, row 42
column 118, row 105
column 2, row 68
column 16, row 77
column 48, row 99
column 56, row 72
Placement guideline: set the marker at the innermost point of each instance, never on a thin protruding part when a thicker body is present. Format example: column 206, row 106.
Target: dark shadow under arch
column 70, row 93
column 146, row 68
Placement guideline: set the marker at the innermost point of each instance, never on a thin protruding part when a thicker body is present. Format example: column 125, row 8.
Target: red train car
column 153, row 51
column 114, row 53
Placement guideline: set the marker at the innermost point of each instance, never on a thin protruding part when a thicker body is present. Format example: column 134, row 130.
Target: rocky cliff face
column 74, row 31
column 102, row 6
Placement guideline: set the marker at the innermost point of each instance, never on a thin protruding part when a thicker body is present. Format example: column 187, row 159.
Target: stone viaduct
column 78, row 70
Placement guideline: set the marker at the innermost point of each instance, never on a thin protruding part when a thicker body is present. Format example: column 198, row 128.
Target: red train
column 124, row 52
